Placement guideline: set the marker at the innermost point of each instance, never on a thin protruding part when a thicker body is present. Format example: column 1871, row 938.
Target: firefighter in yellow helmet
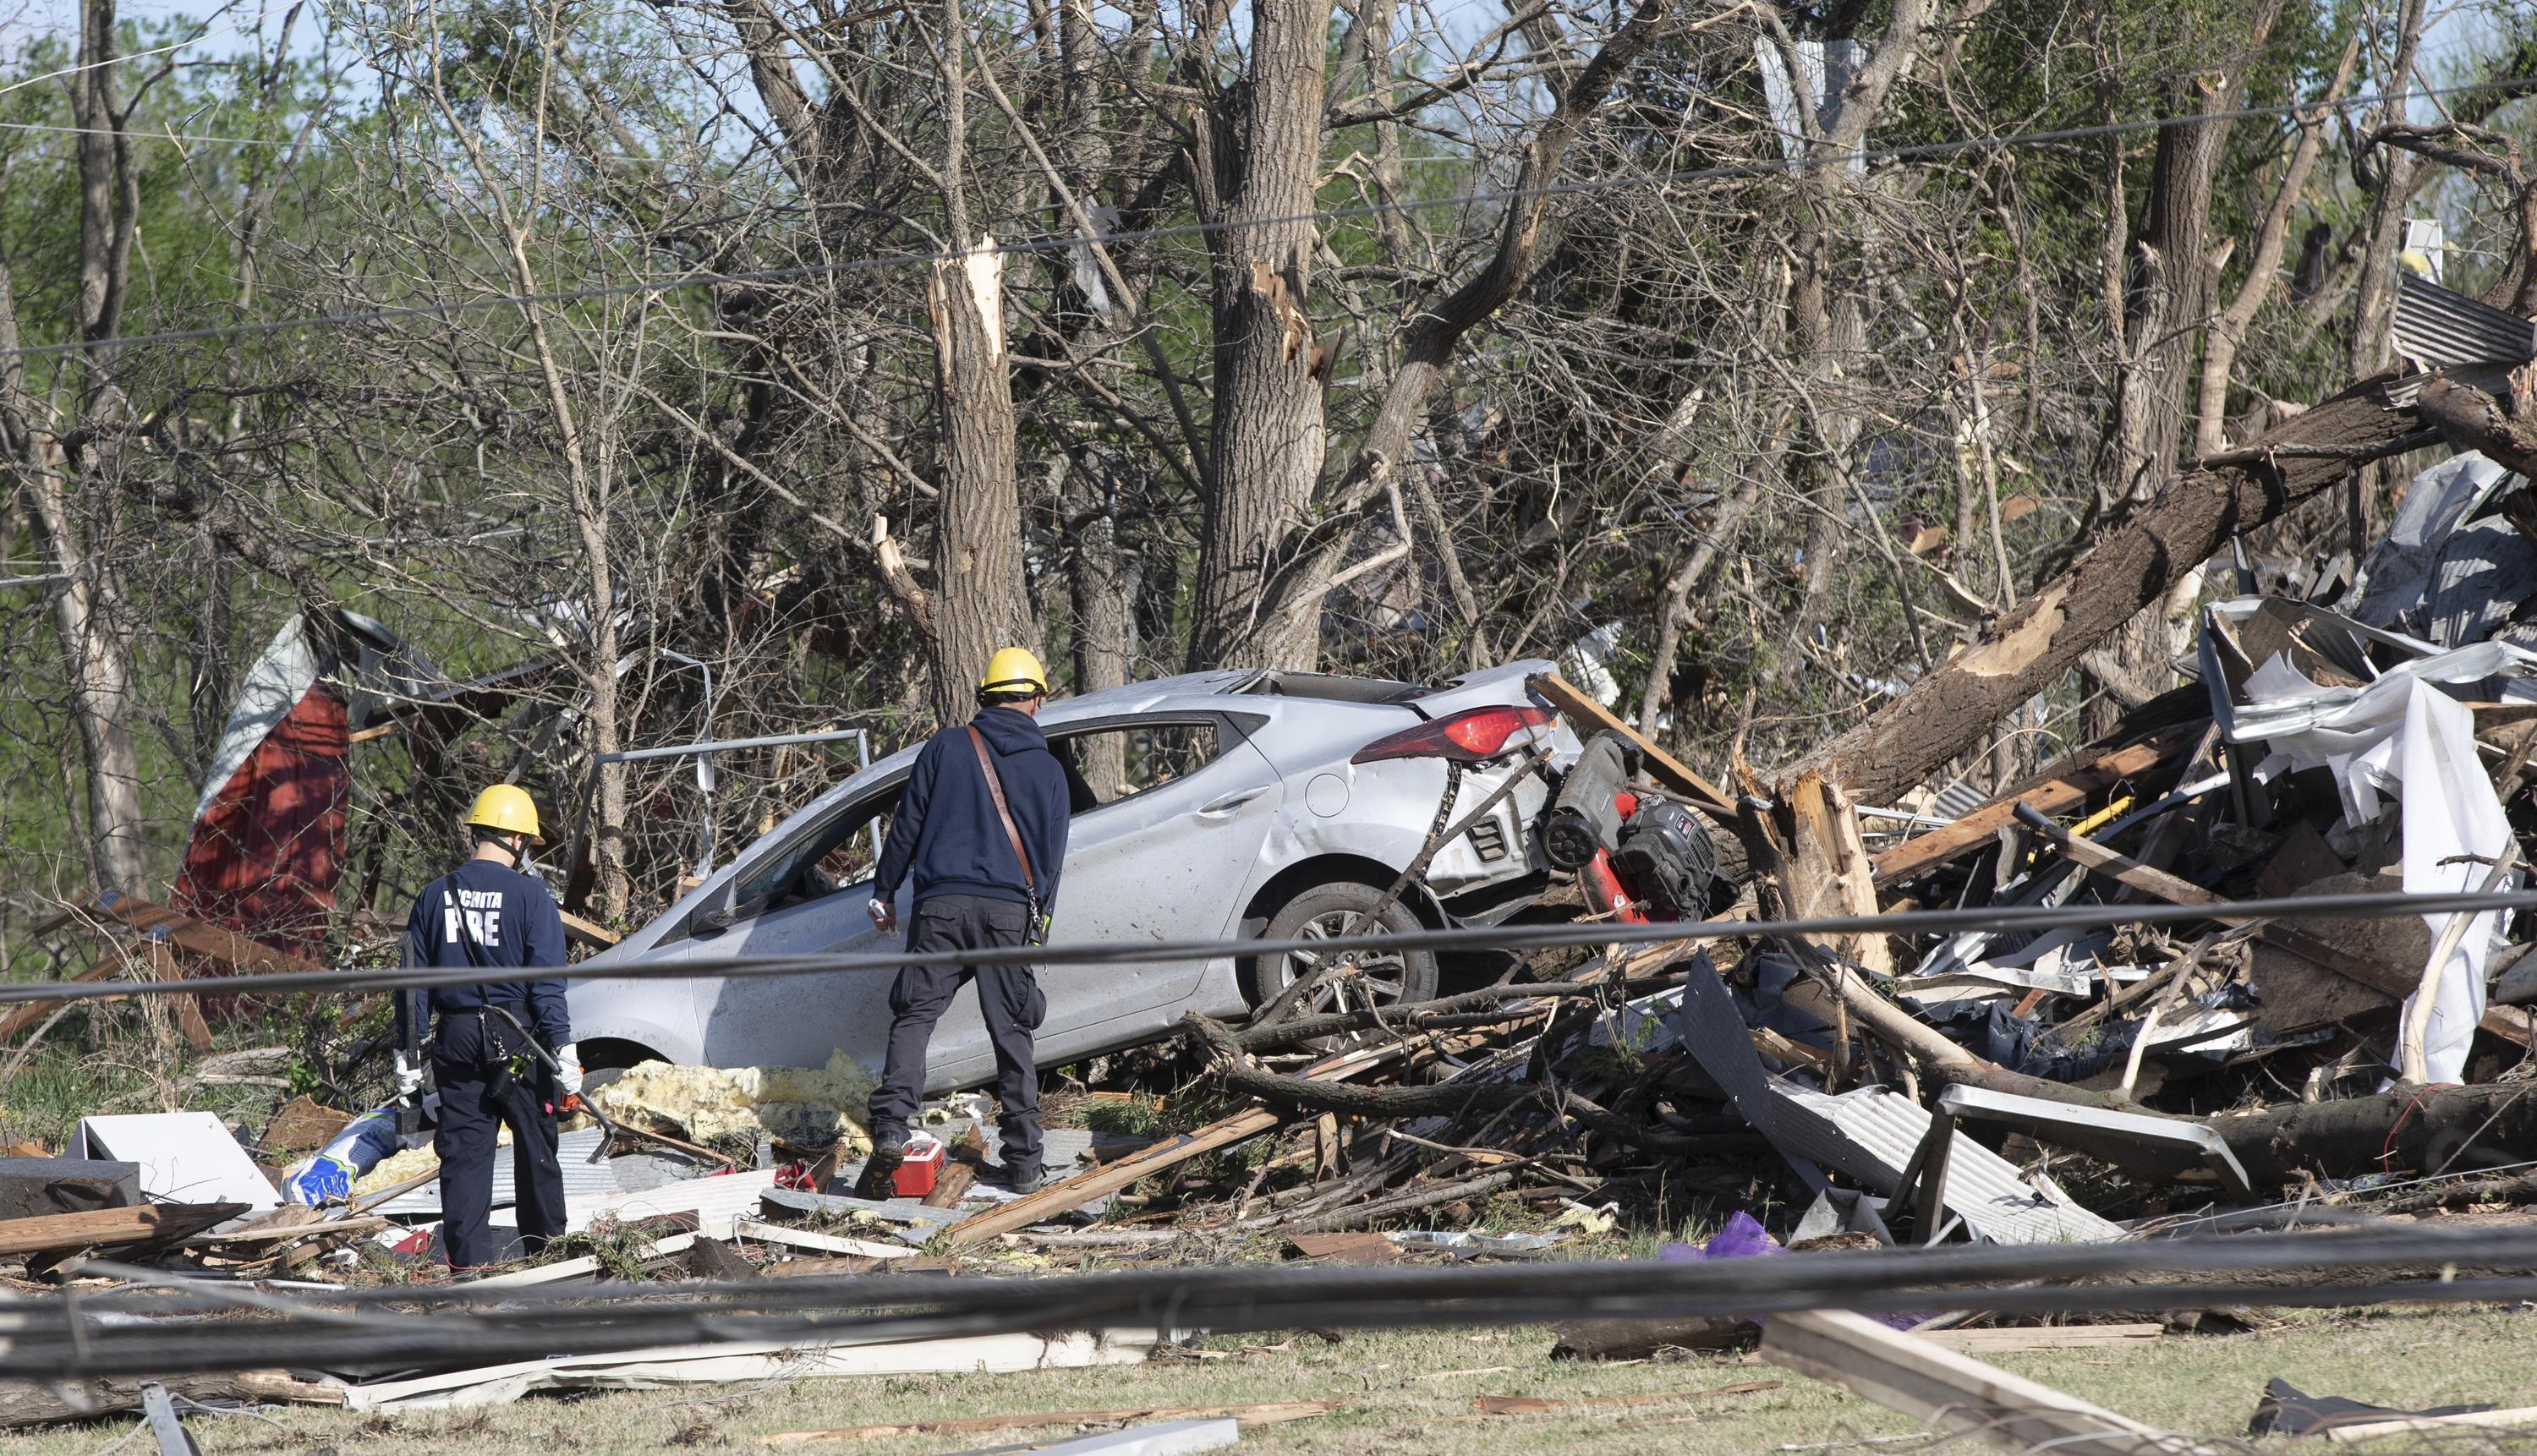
column 980, row 832
column 489, row 913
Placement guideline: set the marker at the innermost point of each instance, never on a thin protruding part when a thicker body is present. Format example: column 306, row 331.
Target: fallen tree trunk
column 1950, row 709
column 2472, row 419
column 2406, row 1127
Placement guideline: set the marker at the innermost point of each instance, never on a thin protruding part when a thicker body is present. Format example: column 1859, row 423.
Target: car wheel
column 1361, row 979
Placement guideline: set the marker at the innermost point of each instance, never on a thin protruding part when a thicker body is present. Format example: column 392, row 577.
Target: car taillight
column 1466, row 737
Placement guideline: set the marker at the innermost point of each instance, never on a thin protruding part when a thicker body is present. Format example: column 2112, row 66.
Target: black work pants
column 479, row 1096
column 1009, row 997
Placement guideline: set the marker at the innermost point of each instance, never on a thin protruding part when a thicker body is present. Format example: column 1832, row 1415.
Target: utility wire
column 1479, row 937
column 1057, row 242
column 106, row 1335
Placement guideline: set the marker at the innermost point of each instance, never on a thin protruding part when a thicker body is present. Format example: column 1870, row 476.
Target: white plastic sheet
column 2403, row 740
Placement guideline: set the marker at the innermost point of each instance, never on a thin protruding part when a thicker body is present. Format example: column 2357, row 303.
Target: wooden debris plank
column 2460, row 1424
column 1266, row 1413
column 823, row 1243
column 27, row 1013
column 1592, row 718
column 1956, row 1394
column 2058, row 1337
column 819, row 1268
column 1533, row 1404
column 2051, row 796
column 588, row 933
column 1058, row 1198
column 189, row 1009
column 156, row 1222
column 2395, row 980
column 186, row 933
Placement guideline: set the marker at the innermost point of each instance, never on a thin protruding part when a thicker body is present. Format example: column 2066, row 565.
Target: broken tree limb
column 1951, row 708
column 2054, row 794
column 1438, row 1100
column 1831, row 990
column 1423, row 1015
column 2470, row 418
column 2417, row 1013
column 1061, row 1197
column 2395, row 980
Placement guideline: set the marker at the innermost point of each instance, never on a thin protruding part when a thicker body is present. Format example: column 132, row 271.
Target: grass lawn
column 1411, row 1392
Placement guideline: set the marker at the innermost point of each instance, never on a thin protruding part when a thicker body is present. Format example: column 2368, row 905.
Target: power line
column 1061, row 241
column 163, row 1333
column 1485, row 937
column 118, row 60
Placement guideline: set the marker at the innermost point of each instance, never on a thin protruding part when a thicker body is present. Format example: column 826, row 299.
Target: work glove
column 568, row 1069
column 409, row 1077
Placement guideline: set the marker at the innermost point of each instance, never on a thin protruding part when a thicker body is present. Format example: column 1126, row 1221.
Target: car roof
column 1135, row 697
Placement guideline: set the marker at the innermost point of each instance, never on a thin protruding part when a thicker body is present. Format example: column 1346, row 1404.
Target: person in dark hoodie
column 973, row 890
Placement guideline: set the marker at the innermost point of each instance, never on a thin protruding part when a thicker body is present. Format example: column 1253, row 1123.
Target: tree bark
column 1949, row 710
column 2504, row 429
column 2406, row 1127
column 87, row 606
column 1307, row 558
column 979, row 598
column 1099, row 588
column 2164, row 310
column 1268, row 442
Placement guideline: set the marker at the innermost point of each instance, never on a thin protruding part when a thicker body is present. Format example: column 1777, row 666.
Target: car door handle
column 1229, row 803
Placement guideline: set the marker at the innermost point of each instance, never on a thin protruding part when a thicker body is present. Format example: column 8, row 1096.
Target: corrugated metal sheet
column 1869, row 1134
column 1981, row 1186
column 582, row 1179
column 2438, row 329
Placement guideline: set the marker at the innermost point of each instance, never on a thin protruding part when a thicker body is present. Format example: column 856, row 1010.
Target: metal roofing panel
column 582, row 1179
column 2438, row 329
column 1982, row 1185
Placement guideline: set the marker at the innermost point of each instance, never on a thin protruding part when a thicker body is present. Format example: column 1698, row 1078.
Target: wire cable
column 1056, row 242
column 2376, row 905
column 468, row 1325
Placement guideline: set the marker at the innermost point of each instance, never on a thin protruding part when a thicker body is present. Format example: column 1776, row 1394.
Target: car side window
column 1125, row 760
column 826, row 858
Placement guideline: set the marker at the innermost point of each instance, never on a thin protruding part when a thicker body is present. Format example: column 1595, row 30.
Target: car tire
column 1322, row 911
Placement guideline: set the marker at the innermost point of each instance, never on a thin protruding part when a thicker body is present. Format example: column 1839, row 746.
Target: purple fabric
column 1743, row 1237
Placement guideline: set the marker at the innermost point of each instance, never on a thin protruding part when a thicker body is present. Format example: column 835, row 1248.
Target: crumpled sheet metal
column 2435, row 575
column 1869, row 1134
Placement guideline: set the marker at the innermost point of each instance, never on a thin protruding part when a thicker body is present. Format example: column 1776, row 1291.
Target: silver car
column 1233, row 803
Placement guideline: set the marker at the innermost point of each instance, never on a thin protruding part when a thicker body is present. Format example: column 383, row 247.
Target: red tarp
column 265, row 858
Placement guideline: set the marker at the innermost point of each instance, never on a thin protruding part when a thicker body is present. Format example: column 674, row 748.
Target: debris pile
column 2148, row 1001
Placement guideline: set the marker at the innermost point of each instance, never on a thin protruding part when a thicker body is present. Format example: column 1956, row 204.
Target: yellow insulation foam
column 809, row 1106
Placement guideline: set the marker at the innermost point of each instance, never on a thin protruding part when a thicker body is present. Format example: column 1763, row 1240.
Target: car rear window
column 1331, row 688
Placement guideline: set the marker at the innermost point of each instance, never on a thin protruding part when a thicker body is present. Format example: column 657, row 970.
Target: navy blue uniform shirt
column 946, row 834
column 509, row 919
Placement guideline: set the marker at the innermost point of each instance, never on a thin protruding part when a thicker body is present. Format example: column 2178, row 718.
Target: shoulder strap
column 1004, row 811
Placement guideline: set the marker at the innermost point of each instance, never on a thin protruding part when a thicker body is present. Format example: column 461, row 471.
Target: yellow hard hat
column 506, row 808
column 1012, row 671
